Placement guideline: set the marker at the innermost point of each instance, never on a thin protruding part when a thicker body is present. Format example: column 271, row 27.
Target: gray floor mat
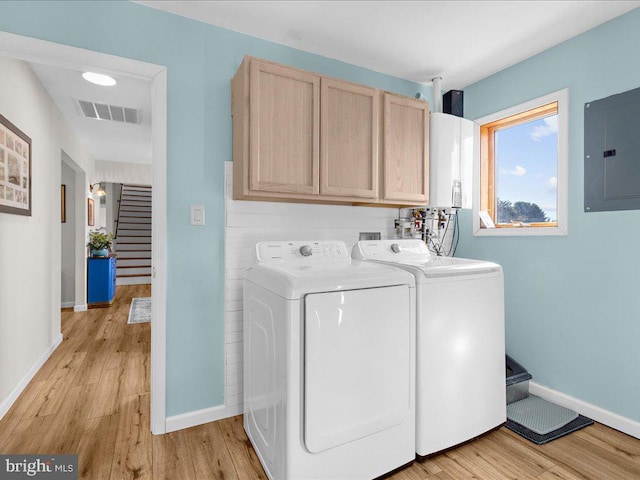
column 538, row 415
column 570, row 427
column 540, row 421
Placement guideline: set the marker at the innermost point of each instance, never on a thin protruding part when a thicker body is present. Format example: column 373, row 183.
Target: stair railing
column 118, row 216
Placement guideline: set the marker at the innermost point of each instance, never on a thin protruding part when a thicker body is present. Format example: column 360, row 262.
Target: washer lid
column 289, row 273
column 450, row 266
column 416, row 257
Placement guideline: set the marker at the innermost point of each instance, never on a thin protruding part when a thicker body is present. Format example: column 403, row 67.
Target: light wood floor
column 91, row 398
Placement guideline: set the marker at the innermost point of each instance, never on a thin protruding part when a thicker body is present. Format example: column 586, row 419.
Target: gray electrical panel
column 612, row 153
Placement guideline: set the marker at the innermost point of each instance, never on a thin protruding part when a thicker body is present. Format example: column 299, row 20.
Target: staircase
column 133, row 236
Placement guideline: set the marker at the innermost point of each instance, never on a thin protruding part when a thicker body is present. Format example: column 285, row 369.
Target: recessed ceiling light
column 99, row 79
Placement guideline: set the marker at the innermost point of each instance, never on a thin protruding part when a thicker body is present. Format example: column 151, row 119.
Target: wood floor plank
column 592, row 463
column 558, row 473
column 96, row 447
column 211, row 459
column 428, row 466
column 108, row 328
column 474, row 461
column 106, row 400
column 442, row 476
column 93, row 365
column 136, row 374
column 13, row 417
column 454, row 468
column 608, row 439
column 62, row 437
column 172, row 457
column 56, row 388
column 516, row 457
column 133, row 450
column 26, row 438
column 244, row 457
column 405, row 474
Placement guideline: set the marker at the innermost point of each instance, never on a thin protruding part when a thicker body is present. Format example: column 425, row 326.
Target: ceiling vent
column 100, row 111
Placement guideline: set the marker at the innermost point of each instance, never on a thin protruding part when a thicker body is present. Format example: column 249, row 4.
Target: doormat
column 140, row 311
column 540, row 421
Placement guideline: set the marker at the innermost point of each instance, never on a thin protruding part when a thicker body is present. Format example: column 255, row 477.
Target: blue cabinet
column 101, row 281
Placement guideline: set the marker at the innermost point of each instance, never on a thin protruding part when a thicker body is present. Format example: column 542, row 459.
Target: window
column 523, row 169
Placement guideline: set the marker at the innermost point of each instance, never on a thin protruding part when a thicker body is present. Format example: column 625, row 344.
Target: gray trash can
column 517, row 381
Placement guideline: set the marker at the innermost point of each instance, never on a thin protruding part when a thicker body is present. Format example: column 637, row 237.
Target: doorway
column 53, row 54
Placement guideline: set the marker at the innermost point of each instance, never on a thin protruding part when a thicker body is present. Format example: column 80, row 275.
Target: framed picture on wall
column 63, row 203
column 15, row 169
column 90, row 218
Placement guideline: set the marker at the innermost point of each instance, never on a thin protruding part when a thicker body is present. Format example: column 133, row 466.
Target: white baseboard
column 80, row 308
column 6, row 404
column 610, row 419
column 200, row 417
column 67, row 304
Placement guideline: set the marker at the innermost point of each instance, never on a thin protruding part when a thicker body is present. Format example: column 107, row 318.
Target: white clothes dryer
column 460, row 385
column 329, row 363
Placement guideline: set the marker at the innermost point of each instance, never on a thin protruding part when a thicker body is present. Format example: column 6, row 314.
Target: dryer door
column 357, row 364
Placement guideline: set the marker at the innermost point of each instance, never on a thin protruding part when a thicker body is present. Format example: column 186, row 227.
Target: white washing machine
column 329, row 363
column 460, row 353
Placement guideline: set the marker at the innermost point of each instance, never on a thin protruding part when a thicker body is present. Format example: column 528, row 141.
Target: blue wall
column 572, row 303
column 201, row 60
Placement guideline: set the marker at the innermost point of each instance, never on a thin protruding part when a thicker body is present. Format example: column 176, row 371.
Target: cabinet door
column 349, row 135
column 284, row 129
column 406, row 150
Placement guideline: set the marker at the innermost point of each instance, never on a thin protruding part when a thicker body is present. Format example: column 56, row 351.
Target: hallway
column 91, row 396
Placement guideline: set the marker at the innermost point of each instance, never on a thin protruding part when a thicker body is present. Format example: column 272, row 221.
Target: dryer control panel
column 305, row 251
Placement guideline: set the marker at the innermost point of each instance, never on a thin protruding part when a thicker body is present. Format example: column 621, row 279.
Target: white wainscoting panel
column 250, row 222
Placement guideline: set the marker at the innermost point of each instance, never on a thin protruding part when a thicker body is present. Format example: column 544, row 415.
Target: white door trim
column 158, row 245
column 64, row 56
column 80, row 249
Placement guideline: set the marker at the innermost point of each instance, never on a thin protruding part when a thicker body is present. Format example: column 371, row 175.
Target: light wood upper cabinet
column 284, row 129
column 349, row 140
column 276, row 130
column 405, row 171
column 299, row 136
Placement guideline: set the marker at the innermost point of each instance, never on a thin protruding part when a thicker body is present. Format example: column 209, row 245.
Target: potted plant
column 99, row 243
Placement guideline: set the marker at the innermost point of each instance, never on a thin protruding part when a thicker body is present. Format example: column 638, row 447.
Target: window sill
column 519, row 232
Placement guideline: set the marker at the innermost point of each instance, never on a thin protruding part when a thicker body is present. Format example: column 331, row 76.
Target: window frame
column 484, row 177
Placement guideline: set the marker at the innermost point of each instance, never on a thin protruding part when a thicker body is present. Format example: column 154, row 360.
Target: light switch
column 197, row 214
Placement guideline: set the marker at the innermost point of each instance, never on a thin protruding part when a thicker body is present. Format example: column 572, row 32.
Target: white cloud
column 552, row 184
column 518, row 171
column 549, row 128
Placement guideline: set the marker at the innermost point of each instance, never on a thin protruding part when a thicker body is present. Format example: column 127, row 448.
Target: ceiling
column 106, row 140
column 461, row 41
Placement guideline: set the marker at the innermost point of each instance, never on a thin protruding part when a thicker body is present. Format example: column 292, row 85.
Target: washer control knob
column 395, row 248
column 306, row 251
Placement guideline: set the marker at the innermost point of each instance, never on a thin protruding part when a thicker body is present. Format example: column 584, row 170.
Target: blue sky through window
column 526, row 164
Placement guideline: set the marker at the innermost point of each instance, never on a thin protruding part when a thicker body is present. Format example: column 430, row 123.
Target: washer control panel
column 309, row 251
column 392, row 250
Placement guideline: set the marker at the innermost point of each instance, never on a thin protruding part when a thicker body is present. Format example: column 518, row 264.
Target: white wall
column 30, row 249
column 68, row 273
column 250, row 222
column 121, row 172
